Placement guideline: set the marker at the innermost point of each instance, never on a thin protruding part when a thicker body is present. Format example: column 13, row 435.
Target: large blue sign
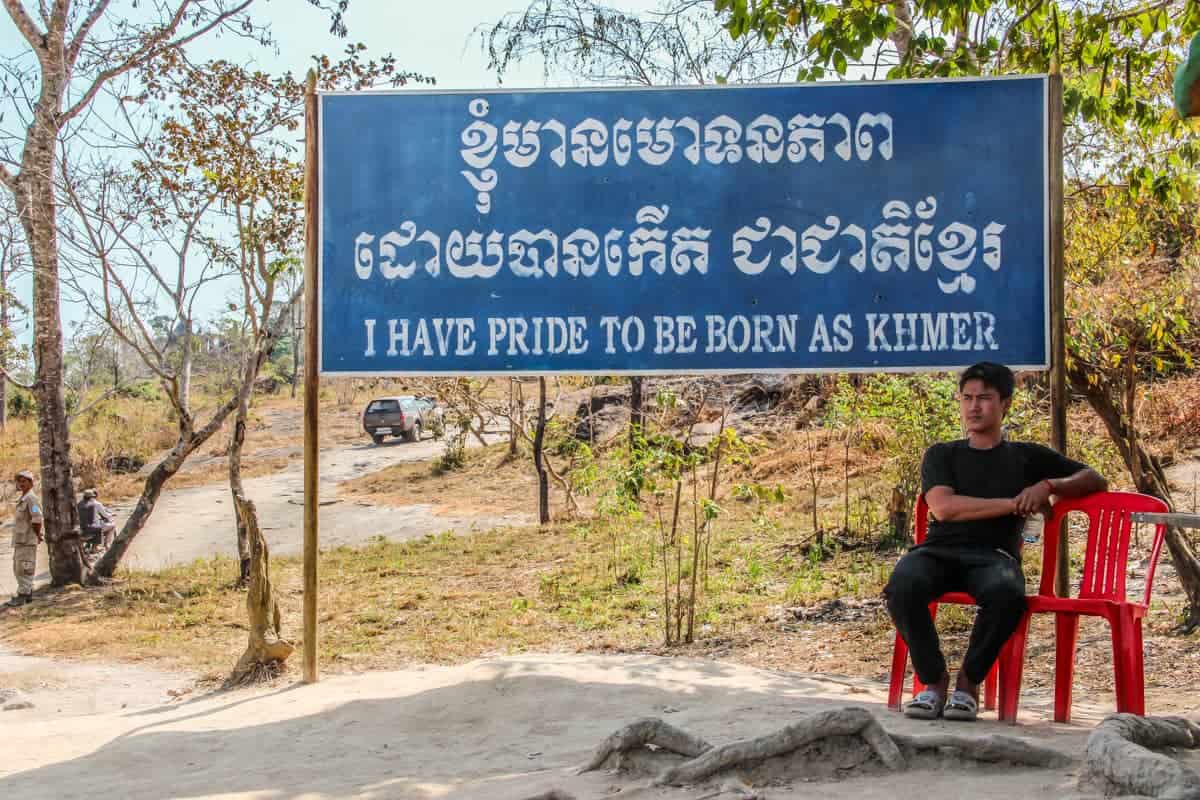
column 872, row 226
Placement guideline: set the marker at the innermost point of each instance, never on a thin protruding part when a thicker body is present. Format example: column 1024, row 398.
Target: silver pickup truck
column 403, row 416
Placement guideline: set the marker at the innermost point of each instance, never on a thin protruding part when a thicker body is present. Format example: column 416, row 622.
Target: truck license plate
column 383, row 430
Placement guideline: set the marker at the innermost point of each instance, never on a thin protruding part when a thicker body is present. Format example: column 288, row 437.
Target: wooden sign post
column 312, row 374
column 1058, row 327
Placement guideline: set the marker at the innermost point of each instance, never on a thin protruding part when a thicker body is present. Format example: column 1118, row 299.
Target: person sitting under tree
column 978, row 490
column 95, row 521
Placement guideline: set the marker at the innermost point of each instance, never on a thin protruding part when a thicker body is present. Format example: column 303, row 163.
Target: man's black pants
column 992, row 577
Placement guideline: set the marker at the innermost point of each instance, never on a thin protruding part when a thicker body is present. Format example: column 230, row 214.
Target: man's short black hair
column 994, row 376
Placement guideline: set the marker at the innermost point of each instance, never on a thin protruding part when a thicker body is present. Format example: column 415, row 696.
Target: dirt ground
column 192, row 522
column 499, row 727
column 496, row 728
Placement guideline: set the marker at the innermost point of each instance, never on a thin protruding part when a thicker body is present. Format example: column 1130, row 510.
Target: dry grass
column 491, row 482
column 449, row 599
column 592, row 584
column 141, row 428
column 441, row 600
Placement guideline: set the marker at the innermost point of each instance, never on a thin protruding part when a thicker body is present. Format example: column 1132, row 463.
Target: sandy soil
column 198, row 522
column 499, row 728
column 60, row 689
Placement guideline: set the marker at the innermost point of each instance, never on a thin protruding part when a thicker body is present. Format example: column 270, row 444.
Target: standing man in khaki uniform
column 27, row 535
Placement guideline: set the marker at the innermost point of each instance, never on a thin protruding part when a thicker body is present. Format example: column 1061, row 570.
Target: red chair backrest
column 1108, row 536
column 920, row 519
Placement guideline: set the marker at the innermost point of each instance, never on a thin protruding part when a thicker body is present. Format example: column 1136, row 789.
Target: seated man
column 95, row 521
column 979, row 490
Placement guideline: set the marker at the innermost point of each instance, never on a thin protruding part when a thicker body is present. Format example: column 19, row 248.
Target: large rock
column 601, row 414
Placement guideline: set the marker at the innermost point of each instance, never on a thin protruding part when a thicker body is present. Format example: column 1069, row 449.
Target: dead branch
column 648, row 731
column 1120, row 752
column 107, row 393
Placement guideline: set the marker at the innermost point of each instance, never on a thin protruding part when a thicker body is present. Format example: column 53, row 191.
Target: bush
column 919, row 410
column 454, row 454
column 21, row 404
column 142, row 390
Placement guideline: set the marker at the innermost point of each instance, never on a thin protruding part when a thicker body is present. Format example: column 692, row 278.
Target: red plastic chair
column 900, row 649
column 1101, row 594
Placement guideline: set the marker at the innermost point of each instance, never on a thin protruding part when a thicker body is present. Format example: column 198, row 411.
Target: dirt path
column 33, row 688
column 198, row 522
column 498, row 729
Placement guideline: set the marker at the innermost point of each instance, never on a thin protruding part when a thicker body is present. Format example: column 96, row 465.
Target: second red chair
column 1101, row 594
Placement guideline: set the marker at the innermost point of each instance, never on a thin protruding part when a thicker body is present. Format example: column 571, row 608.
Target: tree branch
column 26, row 26
column 107, row 393
column 5, row 375
column 149, row 50
column 76, row 45
column 7, row 179
column 1008, row 31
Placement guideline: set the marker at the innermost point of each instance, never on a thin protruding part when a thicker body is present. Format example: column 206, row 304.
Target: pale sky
column 431, row 38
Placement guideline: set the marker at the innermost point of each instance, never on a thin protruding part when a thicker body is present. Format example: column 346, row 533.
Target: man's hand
column 38, row 532
column 1034, row 499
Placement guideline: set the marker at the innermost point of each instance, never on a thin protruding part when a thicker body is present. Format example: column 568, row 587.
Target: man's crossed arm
column 946, row 506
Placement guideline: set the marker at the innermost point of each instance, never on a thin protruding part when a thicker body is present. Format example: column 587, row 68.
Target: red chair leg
column 1128, row 670
column 1137, row 680
column 990, row 687
column 1012, row 666
column 1120, row 649
column 1066, row 636
column 899, row 668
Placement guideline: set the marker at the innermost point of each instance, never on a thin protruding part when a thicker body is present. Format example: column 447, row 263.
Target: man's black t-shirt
column 1005, row 470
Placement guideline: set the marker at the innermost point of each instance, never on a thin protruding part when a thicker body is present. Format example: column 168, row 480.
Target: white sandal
column 961, row 707
column 928, row 704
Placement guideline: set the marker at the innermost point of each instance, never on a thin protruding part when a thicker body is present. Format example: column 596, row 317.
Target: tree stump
column 266, row 651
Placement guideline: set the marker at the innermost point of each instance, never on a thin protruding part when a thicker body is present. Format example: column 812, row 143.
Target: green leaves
column 1117, row 60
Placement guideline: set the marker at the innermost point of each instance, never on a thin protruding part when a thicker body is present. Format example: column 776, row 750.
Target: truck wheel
column 377, row 438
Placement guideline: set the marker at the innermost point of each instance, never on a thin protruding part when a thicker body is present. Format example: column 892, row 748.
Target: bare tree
column 216, row 184
column 680, row 41
column 74, row 50
column 230, row 127
column 120, row 227
column 13, row 258
column 473, row 408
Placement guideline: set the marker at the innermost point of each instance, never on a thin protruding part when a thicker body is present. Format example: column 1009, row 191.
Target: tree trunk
column 235, row 486
column 1149, row 479
column 265, row 650
column 37, row 210
column 5, row 342
column 250, row 372
column 151, row 490
column 636, row 417
column 512, row 418
column 185, row 445
column 902, row 35
column 295, row 315
column 539, row 456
